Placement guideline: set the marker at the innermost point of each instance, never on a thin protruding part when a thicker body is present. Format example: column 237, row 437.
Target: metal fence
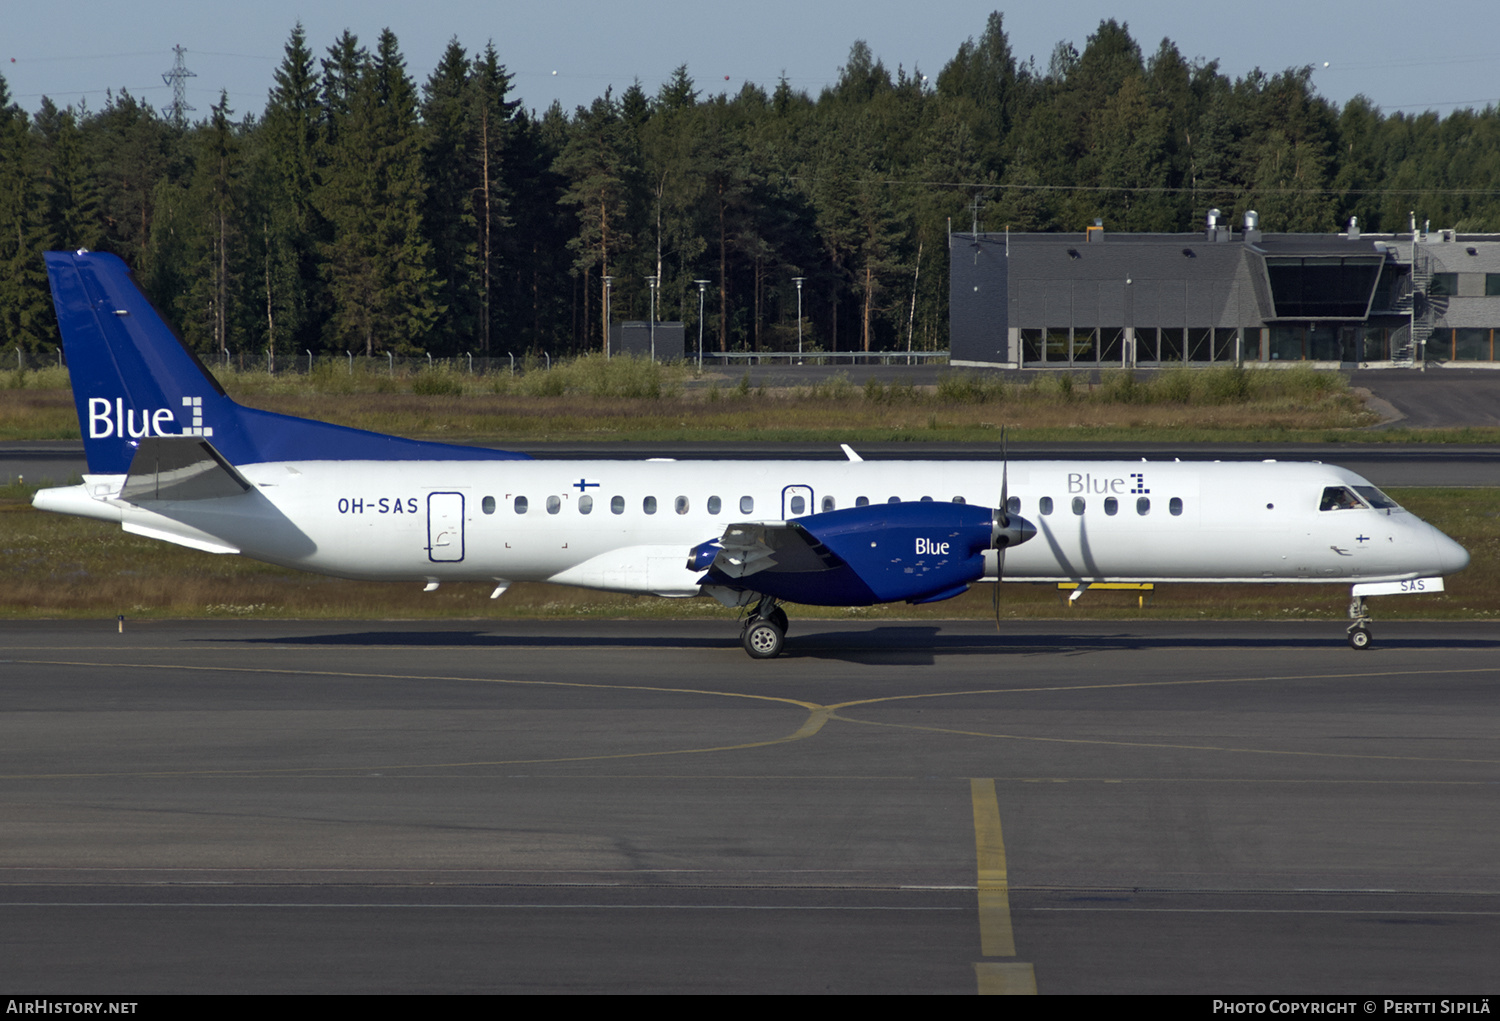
column 468, row 364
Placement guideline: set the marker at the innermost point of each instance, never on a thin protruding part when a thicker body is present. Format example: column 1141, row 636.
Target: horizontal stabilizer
column 180, row 468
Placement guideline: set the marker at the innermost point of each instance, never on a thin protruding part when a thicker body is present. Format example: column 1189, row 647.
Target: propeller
column 1009, row 529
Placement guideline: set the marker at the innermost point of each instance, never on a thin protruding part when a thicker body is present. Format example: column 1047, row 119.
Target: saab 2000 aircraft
column 170, row 456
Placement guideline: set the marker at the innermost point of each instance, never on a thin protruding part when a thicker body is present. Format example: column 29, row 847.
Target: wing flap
column 748, row 548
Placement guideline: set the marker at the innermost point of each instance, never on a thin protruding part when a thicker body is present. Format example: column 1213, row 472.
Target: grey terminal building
column 1100, row 299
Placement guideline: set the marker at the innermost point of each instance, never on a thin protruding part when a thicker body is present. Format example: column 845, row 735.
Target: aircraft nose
column 1451, row 557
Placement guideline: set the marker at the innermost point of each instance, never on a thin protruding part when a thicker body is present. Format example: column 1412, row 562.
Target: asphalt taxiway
column 638, row 807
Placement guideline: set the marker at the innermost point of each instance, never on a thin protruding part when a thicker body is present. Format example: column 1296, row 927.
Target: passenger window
column 1078, row 505
column 1111, row 506
column 680, row 505
column 1338, row 498
column 520, row 505
column 554, row 504
column 959, row 499
column 747, row 505
column 585, row 505
column 1175, row 506
column 926, row 499
column 799, row 505
column 1013, row 505
column 1143, row 506
column 828, row 504
column 488, row 505
column 617, row 505
column 714, row 504
column 861, row 501
column 1045, row 505
column 649, row 505
column 894, row 499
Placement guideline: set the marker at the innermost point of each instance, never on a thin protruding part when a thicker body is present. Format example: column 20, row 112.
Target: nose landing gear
column 1359, row 631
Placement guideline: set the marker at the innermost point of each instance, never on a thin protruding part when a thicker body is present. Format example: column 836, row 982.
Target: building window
column 1492, row 285
column 1286, row 343
column 1145, row 344
column 1224, row 345
column 1057, row 344
column 1443, row 284
column 1031, row 346
column 1200, row 345
column 1471, row 345
column 1111, row 344
column 1085, row 346
column 1171, row 345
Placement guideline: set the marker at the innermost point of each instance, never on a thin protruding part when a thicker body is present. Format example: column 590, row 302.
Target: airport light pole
column 702, row 288
column 653, row 281
column 798, row 282
column 608, row 283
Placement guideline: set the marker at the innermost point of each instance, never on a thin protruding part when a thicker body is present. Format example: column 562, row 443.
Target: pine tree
column 26, row 321
column 291, row 228
column 599, row 167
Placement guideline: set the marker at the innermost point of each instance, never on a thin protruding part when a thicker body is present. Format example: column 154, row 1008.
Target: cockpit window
column 1339, row 498
column 1375, row 498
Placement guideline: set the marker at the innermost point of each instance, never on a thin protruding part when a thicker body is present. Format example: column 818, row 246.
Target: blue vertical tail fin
column 134, row 378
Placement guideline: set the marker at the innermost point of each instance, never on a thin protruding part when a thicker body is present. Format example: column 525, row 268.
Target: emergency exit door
column 445, row 527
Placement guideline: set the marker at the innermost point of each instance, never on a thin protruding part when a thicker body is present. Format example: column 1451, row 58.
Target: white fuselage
column 629, row 525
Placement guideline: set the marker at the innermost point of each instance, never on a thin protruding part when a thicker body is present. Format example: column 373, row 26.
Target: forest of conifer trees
column 362, row 212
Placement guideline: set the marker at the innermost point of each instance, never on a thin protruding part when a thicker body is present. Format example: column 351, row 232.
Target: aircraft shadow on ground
column 896, row 645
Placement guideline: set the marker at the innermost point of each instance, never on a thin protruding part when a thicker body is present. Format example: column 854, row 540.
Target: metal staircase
column 1423, row 308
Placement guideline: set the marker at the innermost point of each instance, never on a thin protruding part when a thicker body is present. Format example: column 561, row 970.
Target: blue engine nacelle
column 917, row 552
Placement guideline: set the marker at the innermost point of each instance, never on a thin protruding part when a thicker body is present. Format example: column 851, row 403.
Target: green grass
column 71, row 567
column 634, row 399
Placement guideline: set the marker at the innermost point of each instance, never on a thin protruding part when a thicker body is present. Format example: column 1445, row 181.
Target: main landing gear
column 765, row 630
column 1359, row 631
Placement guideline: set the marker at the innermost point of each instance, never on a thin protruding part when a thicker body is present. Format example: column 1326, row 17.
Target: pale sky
column 1406, row 57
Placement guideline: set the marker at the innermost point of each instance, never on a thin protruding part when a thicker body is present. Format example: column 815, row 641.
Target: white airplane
column 172, row 457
